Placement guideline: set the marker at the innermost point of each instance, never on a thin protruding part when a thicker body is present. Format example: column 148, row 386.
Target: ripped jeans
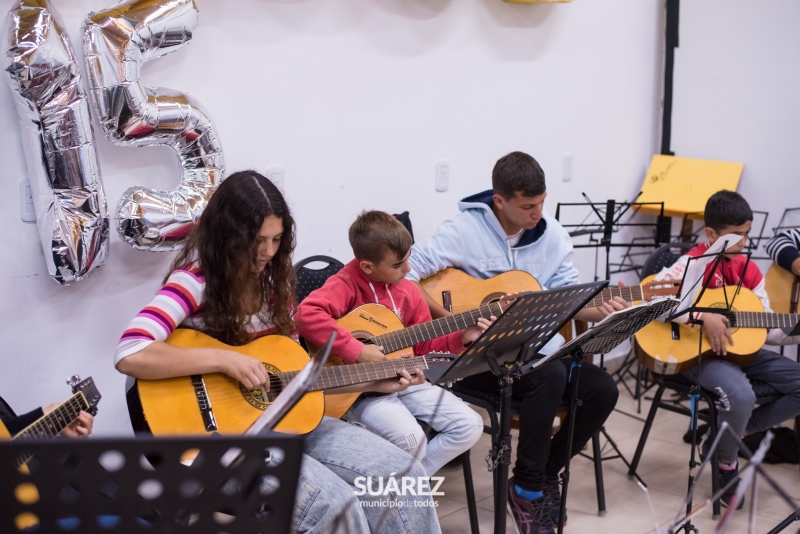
column 737, row 405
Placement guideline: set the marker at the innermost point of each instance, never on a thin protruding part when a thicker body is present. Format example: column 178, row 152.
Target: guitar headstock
column 662, row 288
column 89, row 390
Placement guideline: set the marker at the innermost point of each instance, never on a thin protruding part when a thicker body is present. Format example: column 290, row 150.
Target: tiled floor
column 664, row 468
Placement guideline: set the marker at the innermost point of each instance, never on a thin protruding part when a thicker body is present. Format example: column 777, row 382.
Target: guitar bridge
column 447, row 301
column 676, row 332
column 204, row 403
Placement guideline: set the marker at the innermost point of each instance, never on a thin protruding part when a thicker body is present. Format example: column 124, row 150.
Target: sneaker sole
column 511, row 513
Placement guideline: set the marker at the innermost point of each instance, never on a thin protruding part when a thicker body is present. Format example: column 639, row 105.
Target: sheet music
column 693, row 278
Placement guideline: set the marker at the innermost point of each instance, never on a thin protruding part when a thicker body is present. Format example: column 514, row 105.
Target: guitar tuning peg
column 74, row 379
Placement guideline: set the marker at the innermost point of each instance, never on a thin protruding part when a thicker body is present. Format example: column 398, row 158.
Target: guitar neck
column 52, row 424
column 746, row 319
column 628, row 294
column 408, row 337
column 346, row 375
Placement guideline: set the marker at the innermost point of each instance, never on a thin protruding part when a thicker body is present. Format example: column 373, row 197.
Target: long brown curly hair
column 225, row 244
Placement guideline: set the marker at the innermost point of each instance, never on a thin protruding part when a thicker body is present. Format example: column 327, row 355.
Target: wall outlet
column 276, row 175
column 26, row 210
column 442, row 175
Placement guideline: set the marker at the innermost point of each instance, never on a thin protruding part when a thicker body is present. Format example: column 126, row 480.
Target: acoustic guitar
column 85, row 398
column 670, row 348
column 464, row 291
column 217, row 403
column 783, row 288
column 378, row 325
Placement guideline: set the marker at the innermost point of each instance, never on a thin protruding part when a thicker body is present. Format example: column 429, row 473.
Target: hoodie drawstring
column 394, row 306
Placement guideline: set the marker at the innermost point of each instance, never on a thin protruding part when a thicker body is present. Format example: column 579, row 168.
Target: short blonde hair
column 375, row 233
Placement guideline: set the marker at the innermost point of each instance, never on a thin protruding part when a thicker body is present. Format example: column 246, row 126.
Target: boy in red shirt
column 727, row 212
column 381, row 246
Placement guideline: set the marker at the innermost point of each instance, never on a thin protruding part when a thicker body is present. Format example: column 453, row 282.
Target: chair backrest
column 309, row 279
column 664, row 256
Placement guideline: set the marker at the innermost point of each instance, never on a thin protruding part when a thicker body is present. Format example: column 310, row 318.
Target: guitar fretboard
column 346, row 375
column 746, row 319
column 408, row 337
column 628, row 293
column 52, row 424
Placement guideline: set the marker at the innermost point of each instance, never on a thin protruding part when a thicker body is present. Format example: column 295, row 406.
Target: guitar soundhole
column 363, row 336
column 493, row 297
column 259, row 397
column 732, row 327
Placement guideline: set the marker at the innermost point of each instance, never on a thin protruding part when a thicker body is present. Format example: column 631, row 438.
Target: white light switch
column 442, row 175
column 26, row 211
column 567, row 167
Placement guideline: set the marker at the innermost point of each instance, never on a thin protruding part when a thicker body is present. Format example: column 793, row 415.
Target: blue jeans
column 737, row 400
column 337, row 455
column 394, row 418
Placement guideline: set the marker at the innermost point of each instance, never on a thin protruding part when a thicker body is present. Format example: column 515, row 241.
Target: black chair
column 308, row 280
column 664, row 256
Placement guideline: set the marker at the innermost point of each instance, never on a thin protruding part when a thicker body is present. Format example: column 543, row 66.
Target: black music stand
column 600, row 339
column 144, row 484
column 510, row 343
column 608, row 220
column 689, row 292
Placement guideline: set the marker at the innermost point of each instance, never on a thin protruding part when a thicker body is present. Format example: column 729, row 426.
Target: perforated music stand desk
column 520, row 332
column 141, row 485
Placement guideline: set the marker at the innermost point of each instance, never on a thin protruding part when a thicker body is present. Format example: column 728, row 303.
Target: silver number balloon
column 58, row 141
column 116, row 42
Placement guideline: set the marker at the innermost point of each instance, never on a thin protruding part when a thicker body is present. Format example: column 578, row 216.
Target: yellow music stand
column 685, row 184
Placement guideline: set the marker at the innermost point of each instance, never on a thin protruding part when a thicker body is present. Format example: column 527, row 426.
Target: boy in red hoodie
column 381, row 246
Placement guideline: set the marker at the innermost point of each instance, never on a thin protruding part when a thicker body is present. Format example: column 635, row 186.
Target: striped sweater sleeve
column 181, row 297
column 783, row 248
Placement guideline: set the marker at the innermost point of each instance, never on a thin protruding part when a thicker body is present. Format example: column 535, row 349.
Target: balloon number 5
column 116, row 42
column 59, row 142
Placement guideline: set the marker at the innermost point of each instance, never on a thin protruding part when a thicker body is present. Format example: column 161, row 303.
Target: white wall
column 737, row 73
column 357, row 99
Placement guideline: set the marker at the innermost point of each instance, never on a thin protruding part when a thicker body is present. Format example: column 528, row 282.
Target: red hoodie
column 350, row 288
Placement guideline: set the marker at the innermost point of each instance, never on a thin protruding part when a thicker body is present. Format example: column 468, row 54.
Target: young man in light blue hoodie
column 502, row 229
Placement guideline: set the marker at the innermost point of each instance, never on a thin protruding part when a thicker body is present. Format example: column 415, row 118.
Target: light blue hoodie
column 475, row 242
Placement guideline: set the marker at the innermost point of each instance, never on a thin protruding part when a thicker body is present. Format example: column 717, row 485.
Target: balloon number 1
column 59, row 142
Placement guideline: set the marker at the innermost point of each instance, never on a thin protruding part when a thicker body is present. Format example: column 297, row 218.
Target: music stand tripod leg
column 577, row 361
column 502, row 447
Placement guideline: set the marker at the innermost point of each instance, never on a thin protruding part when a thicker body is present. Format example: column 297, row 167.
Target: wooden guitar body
column 365, row 322
column 467, row 292
column 782, row 287
column 660, row 352
column 171, row 406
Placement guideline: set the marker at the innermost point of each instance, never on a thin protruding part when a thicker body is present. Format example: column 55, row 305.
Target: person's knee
column 549, row 381
column 735, row 399
column 471, row 429
column 414, row 442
